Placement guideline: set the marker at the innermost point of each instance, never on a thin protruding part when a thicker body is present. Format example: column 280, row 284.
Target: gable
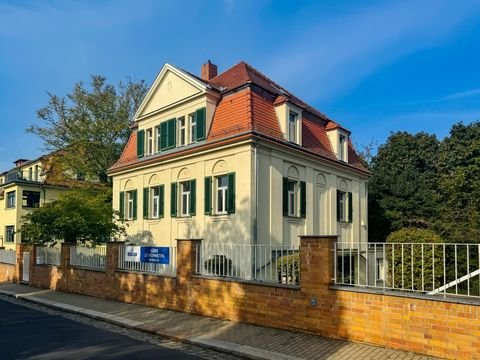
column 171, row 87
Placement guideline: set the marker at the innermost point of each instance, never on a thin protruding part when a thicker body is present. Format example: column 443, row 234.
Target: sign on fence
column 147, row 254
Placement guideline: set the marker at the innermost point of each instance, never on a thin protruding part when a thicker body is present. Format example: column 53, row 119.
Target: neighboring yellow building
column 22, row 189
column 236, row 159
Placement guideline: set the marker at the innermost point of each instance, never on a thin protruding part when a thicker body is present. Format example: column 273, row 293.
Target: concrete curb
column 244, row 351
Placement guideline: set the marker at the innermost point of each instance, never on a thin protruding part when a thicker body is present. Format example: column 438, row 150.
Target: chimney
column 209, row 71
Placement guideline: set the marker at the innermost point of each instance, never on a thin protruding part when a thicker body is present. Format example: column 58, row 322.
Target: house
column 27, row 186
column 234, row 158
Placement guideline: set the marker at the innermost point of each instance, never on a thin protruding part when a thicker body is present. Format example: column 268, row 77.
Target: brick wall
column 7, row 273
column 425, row 326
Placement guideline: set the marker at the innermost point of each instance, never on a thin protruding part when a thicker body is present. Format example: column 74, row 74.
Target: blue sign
column 156, row 255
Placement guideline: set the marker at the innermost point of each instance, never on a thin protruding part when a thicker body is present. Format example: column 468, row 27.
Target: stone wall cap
column 319, row 236
column 193, row 239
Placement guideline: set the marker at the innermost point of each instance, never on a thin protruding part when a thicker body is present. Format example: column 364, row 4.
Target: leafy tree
column 403, row 186
column 81, row 215
column 91, row 124
column 459, row 174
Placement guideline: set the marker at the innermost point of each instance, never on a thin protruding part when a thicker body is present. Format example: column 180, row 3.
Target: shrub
column 288, row 268
column 219, row 265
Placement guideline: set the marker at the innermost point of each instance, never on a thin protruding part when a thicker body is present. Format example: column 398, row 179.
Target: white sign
column 132, row 253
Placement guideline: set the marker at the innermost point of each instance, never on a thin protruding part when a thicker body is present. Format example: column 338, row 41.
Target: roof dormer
column 339, row 138
column 290, row 118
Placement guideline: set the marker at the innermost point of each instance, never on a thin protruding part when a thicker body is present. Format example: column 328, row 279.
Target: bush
column 410, row 247
column 288, row 268
column 219, row 265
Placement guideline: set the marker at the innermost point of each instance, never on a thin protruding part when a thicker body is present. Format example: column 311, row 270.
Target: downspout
column 255, row 212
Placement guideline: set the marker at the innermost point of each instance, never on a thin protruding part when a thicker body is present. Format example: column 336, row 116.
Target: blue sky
column 376, row 67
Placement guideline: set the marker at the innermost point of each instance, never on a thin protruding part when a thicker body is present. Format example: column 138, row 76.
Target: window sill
column 220, row 217
column 293, row 219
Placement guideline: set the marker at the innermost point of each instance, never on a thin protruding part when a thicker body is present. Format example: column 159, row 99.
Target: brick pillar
column 112, row 286
column 64, row 263
column 186, row 259
column 316, row 271
column 19, row 250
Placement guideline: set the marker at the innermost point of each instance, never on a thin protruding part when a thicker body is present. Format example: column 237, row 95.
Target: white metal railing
column 429, row 268
column 149, row 268
column 48, row 255
column 264, row 263
column 8, row 256
column 89, row 257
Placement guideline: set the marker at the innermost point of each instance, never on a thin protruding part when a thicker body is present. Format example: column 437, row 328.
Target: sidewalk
column 249, row 341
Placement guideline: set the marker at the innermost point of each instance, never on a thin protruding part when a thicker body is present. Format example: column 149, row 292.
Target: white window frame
column 182, row 129
column 157, row 139
column 342, row 151
column 7, row 228
column 149, row 141
column 185, row 194
column 221, row 192
column 11, row 200
column 36, row 172
column 155, row 202
column 343, row 203
column 293, row 133
column 129, row 205
column 192, row 120
column 292, row 198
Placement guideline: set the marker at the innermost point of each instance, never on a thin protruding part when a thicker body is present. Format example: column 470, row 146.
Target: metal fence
column 149, row 268
column 89, row 257
column 430, row 268
column 8, row 256
column 48, row 255
column 264, row 263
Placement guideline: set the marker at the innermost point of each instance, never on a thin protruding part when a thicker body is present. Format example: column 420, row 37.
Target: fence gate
column 26, row 267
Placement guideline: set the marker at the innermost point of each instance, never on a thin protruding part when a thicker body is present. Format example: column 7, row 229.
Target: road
column 28, row 333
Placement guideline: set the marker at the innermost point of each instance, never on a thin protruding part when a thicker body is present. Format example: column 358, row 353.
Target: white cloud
column 339, row 52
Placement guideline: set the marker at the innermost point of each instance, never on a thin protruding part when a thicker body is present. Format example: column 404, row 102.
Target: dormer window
column 293, row 127
column 342, row 147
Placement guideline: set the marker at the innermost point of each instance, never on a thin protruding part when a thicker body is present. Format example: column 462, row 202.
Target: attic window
column 293, row 128
column 342, row 147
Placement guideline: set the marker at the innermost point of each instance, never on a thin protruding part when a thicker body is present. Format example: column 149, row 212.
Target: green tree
column 91, row 124
column 81, row 215
column 403, row 186
column 459, row 183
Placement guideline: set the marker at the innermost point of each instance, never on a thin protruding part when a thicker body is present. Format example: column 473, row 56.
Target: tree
column 403, row 186
column 81, row 215
column 91, row 124
column 459, row 184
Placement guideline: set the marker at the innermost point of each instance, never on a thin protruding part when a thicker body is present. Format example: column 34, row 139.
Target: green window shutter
column 163, row 136
column 285, row 196
column 173, row 200
column 158, row 138
column 161, row 192
column 140, row 143
column 208, row 195
column 121, row 206
column 339, row 215
column 172, row 133
column 193, row 197
column 134, row 193
column 350, row 207
column 231, row 193
column 145, row 203
column 201, row 124
column 303, row 199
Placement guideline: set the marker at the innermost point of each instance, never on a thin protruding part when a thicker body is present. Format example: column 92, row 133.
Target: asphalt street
column 26, row 333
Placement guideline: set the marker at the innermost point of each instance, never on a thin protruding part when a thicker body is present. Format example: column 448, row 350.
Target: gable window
column 11, row 199
column 30, row 174
column 35, row 178
column 294, row 198
column 30, row 199
column 192, row 119
column 149, row 141
column 9, row 233
column 157, row 138
column 293, row 127
column 344, row 206
column 182, row 131
column 342, row 148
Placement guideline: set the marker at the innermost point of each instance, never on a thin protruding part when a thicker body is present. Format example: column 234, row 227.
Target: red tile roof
column 247, row 104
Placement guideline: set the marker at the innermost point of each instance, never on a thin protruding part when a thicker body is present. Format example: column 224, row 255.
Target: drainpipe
column 255, row 216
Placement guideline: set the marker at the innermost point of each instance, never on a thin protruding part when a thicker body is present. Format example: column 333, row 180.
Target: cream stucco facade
column 261, row 169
